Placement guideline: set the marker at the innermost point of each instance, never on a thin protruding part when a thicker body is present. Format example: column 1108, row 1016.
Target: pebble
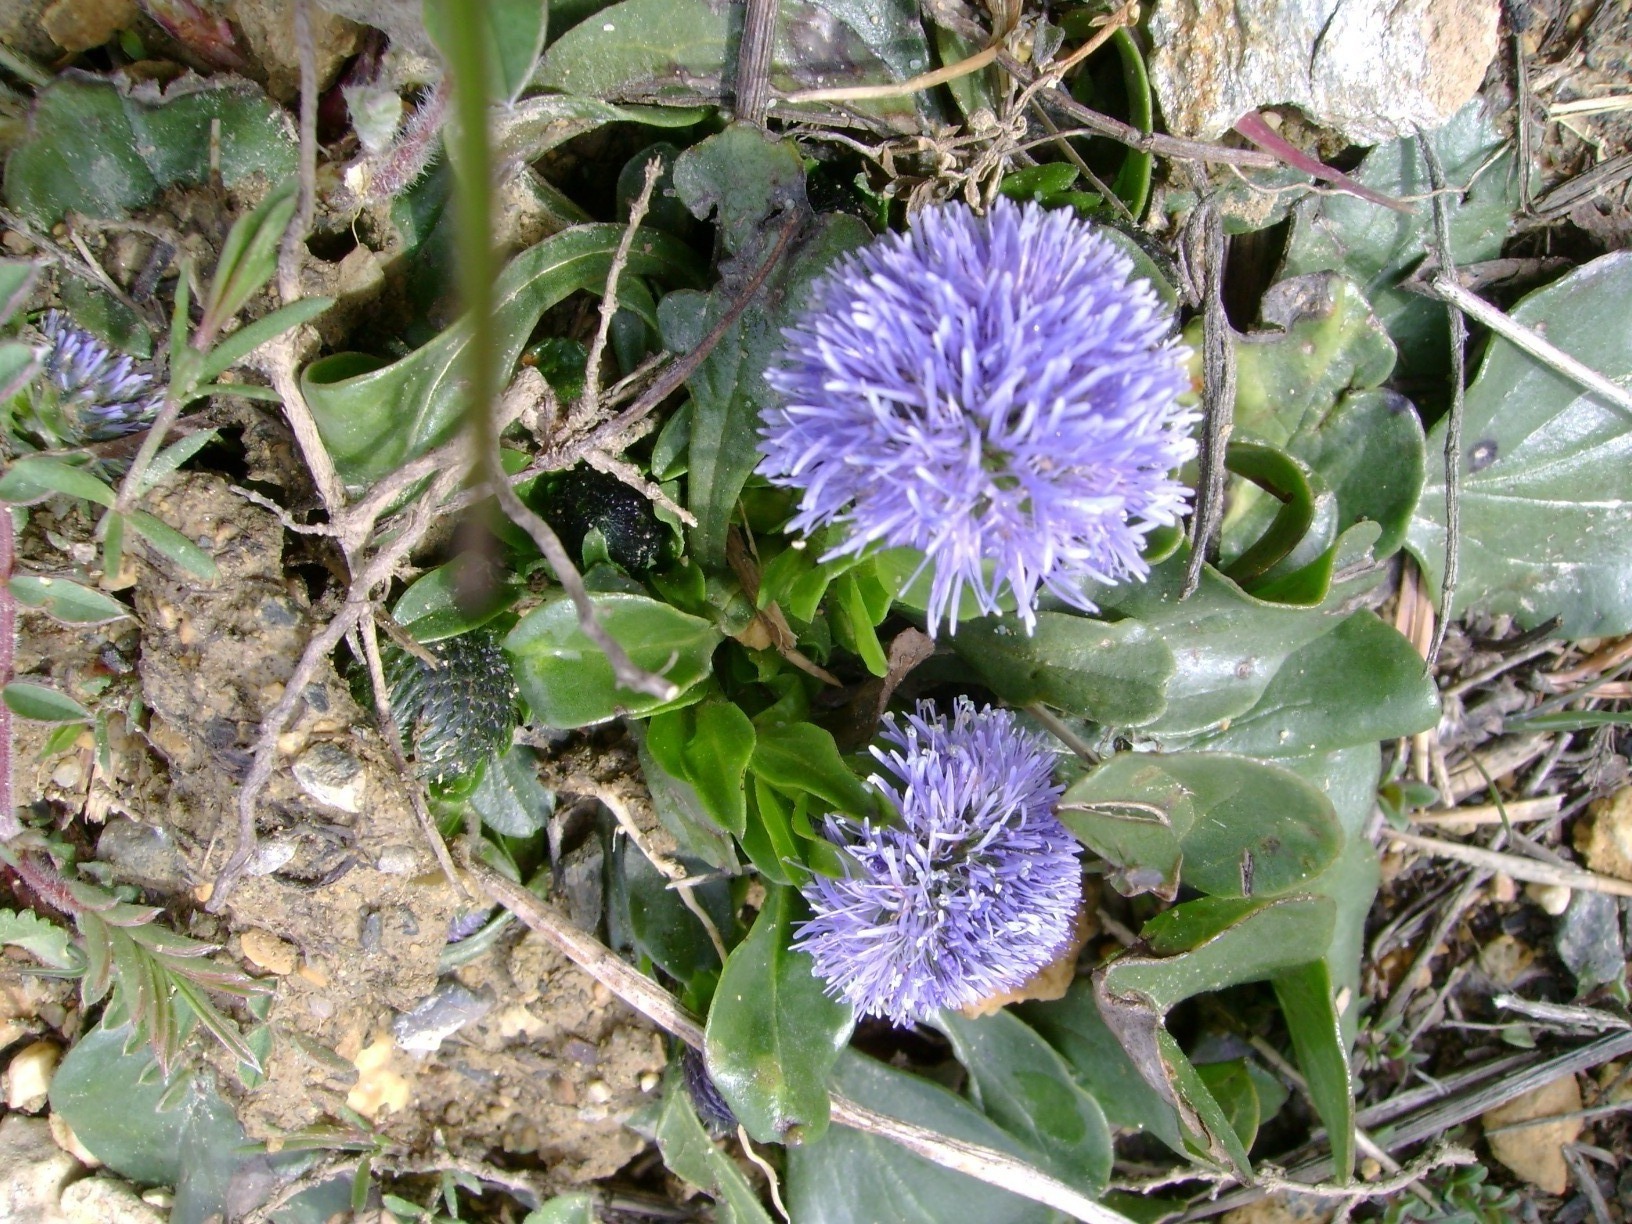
column 431, row 1021
column 102, row 1200
column 397, row 860
column 33, row 1171
column 1554, row 899
column 63, row 1136
column 266, row 951
column 28, row 1076
column 380, row 1088
column 142, row 854
column 332, row 776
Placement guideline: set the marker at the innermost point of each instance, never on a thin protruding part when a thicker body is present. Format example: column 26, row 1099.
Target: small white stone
column 1553, row 898
column 397, row 860
column 598, row 1091
column 63, row 1135
column 102, row 1200
column 28, row 1076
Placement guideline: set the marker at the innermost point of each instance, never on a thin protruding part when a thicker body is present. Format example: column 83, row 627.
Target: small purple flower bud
column 712, row 1109
column 1000, row 393
column 86, row 393
column 971, row 889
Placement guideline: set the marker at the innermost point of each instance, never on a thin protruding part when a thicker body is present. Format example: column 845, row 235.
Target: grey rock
column 1374, row 70
column 332, row 776
column 431, row 1021
column 583, row 885
column 33, row 1171
column 142, row 854
column 1589, row 940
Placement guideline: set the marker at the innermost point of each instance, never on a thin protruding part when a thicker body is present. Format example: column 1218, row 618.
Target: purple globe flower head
column 85, row 393
column 998, row 392
column 970, row 890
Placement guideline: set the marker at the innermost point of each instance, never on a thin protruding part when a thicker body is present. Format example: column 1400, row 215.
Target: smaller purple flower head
column 971, row 888
column 1000, row 393
column 85, row 393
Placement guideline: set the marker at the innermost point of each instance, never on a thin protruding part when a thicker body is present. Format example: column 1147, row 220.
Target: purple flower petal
column 973, row 889
column 1000, row 393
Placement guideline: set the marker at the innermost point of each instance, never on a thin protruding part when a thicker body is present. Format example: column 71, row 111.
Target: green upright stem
column 467, row 66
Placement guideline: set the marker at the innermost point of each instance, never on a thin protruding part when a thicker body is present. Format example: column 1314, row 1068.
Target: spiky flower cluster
column 454, row 716
column 998, row 392
column 973, row 886
column 85, row 392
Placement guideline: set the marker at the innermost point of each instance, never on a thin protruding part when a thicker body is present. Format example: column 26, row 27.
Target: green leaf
column 691, row 1154
column 17, row 277
column 1226, row 645
column 249, row 256
column 1215, row 942
column 454, row 598
column 374, row 418
column 844, row 1177
column 177, row 1132
column 1115, row 673
column 107, row 318
column 66, row 601
column 509, row 798
column 513, row 31
column 241, row 343
column 1024, row 1086
column 1307, row 998
column 41, row 939
column 662, row 926
column 802, row 757
column 1288, row 488
column 680, row 811
column 1304, row 385
column 773, row 1033
column 1361, row 683
column 108, row 1099
column 1074, row 1027
column 708, row 745
column 1228, row 825
column 568, row 682
column 94, row 150
column 530, row 128
column 1381, row 248
column 33, row 478
column 170, row 459
column 38, row 703
column 768, row 841
column 1569, row 720
column 748, row 181
column 578, row 1208
column 173, row 546
column 676, row 49
column 19, row 363
column 1546, row 477
column 1230, row 1084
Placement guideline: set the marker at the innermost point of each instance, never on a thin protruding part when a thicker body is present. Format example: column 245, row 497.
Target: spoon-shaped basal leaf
column 373, row 418
column 773, row 1034
column 1546, row 469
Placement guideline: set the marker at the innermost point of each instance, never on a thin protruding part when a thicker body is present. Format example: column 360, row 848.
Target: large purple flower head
column 970, row 890
column 998, row 392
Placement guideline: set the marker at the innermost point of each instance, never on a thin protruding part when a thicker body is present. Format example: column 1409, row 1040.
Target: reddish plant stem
column 10, row 827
